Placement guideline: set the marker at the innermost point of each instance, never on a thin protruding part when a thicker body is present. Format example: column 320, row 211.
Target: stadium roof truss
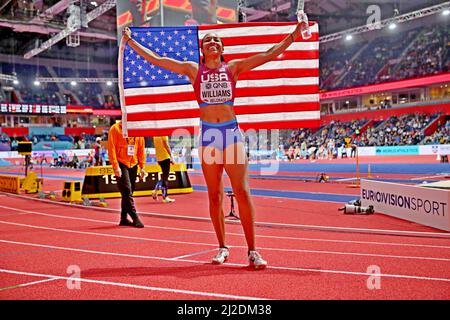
column 71, row 28
column 397, row 19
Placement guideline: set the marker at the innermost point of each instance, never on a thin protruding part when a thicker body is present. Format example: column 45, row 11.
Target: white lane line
column 346, row 179
column 233, row 234
column 215, row 245
column 134, row 286
column 387, row 275
column 107, row 234
column 428, row 177
column 26, row 284
column 194, row 254
column 267, row 224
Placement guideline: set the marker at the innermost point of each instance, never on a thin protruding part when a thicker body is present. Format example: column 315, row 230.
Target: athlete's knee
column 241, row 192
column 215, row 197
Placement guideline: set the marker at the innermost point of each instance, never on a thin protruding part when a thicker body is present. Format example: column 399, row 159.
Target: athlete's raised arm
column 239, row 66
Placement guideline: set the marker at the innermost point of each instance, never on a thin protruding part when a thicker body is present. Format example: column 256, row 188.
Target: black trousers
column 188, row 162
column 165, row 168
column 126, row 184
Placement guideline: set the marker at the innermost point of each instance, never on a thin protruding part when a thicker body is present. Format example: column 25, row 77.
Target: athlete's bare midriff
column 217, row 113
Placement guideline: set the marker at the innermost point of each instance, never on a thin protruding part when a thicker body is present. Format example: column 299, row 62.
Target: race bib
column 131, row 150
column 216, row 92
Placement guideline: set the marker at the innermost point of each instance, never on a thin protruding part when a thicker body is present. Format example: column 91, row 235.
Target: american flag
column 282, row 93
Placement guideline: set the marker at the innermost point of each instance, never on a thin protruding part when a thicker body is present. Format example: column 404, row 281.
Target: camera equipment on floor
column 354, row 207
column 322, row 177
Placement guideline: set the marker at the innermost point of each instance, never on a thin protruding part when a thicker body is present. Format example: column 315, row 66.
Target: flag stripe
column 286, row 73
column 185, row 105
column 263, row 47
column 287, row 55
column 278, row 116
column 251, row 29
column 286, row 124
column 289, row 64
column 131, row 92
column 240, row 110
column 240, row 92
column 183, row 130
column 246, row 118
column 278, row 82
column 142, row 132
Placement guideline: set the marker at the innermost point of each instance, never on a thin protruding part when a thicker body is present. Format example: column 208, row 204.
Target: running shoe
column 155, row 195
column 222, row 256
column 168, row 200
column 256, row 261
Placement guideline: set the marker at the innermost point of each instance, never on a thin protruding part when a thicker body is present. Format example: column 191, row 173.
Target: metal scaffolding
column 71, row 28
column 384, row 23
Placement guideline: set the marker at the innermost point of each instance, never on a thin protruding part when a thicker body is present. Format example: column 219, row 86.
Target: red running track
column 170, row 258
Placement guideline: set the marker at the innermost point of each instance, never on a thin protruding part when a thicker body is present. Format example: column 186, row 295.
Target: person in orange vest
column 125, row 156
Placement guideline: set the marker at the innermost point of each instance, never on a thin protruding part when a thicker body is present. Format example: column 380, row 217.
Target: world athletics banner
column 397, row 150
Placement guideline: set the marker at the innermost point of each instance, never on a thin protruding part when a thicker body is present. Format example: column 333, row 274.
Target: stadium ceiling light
column 94, row 3
column 392, row 26
column 446, row 12
column 16, row 81
column 36, row 83
column 109, row 83
column 73, row 83
column 349, row 37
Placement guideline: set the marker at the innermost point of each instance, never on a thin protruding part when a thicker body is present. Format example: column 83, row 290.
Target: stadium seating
column 440, row 136
column 405, row 130
column 415, row 53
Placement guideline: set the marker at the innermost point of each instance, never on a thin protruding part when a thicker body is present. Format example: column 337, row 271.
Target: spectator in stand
column 343, row 151
column 14, row 144
column 330, row 148
column 59, row 162
column 88, row 161
column 81, row 143
column 297, row 152
column 303, row 150
column 290, row 153
column 55, row 157
column 353, row 150
column 440, row 136
column 188, row 156
column 74, row 163
column 97, row 152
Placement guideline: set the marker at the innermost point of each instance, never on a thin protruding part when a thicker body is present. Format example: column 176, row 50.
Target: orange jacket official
column 118, row 148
